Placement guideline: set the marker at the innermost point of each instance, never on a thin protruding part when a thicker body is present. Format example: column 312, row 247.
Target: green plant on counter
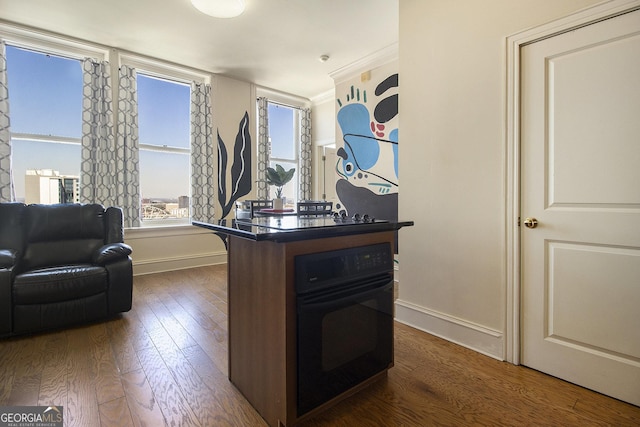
column 278, row 177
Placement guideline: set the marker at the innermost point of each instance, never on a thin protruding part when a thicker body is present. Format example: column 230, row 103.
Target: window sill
column 163, row 230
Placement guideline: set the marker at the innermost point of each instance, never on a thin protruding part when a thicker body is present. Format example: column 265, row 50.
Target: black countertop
column 290, row 228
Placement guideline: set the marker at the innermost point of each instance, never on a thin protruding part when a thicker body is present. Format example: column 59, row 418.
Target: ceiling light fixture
column 220, row 8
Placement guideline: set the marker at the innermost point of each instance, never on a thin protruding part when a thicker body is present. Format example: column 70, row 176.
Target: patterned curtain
column 127, row 172
column 96, row 178
column 264, row 148
column 7, row 193
column 305, row 154
column 202, row 155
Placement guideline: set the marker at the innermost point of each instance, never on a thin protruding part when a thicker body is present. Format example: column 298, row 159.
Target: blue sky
column 281, row 131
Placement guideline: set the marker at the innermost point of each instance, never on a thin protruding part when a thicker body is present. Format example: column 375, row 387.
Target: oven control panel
column 325, row 269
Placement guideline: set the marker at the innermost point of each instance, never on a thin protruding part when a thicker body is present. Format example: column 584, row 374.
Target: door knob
column 530, row 222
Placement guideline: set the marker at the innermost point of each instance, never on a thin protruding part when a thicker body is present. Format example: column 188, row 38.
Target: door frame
column 515, row 42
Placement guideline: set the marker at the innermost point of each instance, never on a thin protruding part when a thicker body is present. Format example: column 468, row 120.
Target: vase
column 278, row 204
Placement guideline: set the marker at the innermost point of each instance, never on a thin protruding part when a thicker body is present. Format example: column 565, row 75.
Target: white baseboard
column 178, row 263
column 467, row 334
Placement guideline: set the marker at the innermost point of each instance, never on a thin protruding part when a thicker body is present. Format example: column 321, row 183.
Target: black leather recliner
column 61, row 265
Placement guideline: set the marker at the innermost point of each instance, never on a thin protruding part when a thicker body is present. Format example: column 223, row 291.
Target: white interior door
column 580, row 178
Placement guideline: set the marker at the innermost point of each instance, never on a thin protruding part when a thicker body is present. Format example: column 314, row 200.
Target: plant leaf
column 278, row 176
column 241, row 168
column 222, row 173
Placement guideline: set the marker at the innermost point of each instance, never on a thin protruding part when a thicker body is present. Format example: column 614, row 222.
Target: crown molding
column 282, row 97
column 328, row 96
column 376, row 59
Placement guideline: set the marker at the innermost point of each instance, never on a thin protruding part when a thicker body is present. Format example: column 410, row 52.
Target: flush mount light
column 220, row 8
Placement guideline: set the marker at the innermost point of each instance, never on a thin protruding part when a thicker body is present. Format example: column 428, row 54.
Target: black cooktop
column 290, row 223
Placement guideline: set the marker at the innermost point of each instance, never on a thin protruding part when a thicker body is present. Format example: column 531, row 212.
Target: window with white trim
column 165, row 148
column 46, row 124
column 284, row 135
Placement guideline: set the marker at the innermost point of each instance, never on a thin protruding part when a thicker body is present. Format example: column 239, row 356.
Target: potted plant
column 279, row 178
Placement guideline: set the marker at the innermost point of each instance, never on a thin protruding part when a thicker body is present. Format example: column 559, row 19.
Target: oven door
column 345, row 336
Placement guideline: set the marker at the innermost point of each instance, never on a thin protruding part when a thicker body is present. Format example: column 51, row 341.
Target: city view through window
column 164, row 131
column 45, row 95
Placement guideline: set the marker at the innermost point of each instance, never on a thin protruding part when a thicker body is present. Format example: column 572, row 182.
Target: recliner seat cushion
column 49, row 285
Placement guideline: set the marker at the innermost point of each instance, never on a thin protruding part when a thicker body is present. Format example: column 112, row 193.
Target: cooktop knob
column 356, row 217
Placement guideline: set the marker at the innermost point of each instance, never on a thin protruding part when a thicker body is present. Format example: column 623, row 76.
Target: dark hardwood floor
column 165, row 363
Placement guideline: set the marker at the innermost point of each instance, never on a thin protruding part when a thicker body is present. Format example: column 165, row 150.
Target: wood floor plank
column 82, row 406
column 237, row 410
column 27, row 362
column 24, row 389
column 176, row 331
column 53, row 391
column 115, row 413
column 195, row 391
column 212, row 337
column 133, row 331
column 191, row 305
column 8, row 352
column 122, row 345
column 142, row 403
column 172, row 403
column 108, row 382
column 53, row 386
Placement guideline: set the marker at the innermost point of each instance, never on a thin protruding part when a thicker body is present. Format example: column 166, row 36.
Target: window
column 46, row 125
column 164, row 141
column 284, row 134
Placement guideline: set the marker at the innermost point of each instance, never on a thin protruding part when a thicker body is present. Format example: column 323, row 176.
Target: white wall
column 322, row 134
column 323, row 119
column 173, row 248
column 452, row 162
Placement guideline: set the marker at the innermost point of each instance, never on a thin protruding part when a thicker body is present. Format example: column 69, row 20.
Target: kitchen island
column 291, row 362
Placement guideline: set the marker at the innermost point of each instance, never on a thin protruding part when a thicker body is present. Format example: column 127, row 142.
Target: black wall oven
column 344, row 320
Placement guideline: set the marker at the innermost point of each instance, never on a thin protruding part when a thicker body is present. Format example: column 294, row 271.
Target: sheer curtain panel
column 96, row 178
column 7, row 193
column 305, row 154
column 264, row 148
column 202, row 155
column 127, row 171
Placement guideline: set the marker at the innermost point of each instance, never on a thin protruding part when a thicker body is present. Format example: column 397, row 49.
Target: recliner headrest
column 64, row 222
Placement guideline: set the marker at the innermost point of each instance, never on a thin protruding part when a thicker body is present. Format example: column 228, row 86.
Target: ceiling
column 274, row 43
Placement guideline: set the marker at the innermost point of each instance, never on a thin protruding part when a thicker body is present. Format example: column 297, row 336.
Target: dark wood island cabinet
column 266, row 293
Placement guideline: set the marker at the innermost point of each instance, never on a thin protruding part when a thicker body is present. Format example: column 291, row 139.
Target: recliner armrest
column 8, row 258
column 112, row 252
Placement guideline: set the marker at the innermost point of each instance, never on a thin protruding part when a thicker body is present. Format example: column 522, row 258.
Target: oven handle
column 308, row 303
